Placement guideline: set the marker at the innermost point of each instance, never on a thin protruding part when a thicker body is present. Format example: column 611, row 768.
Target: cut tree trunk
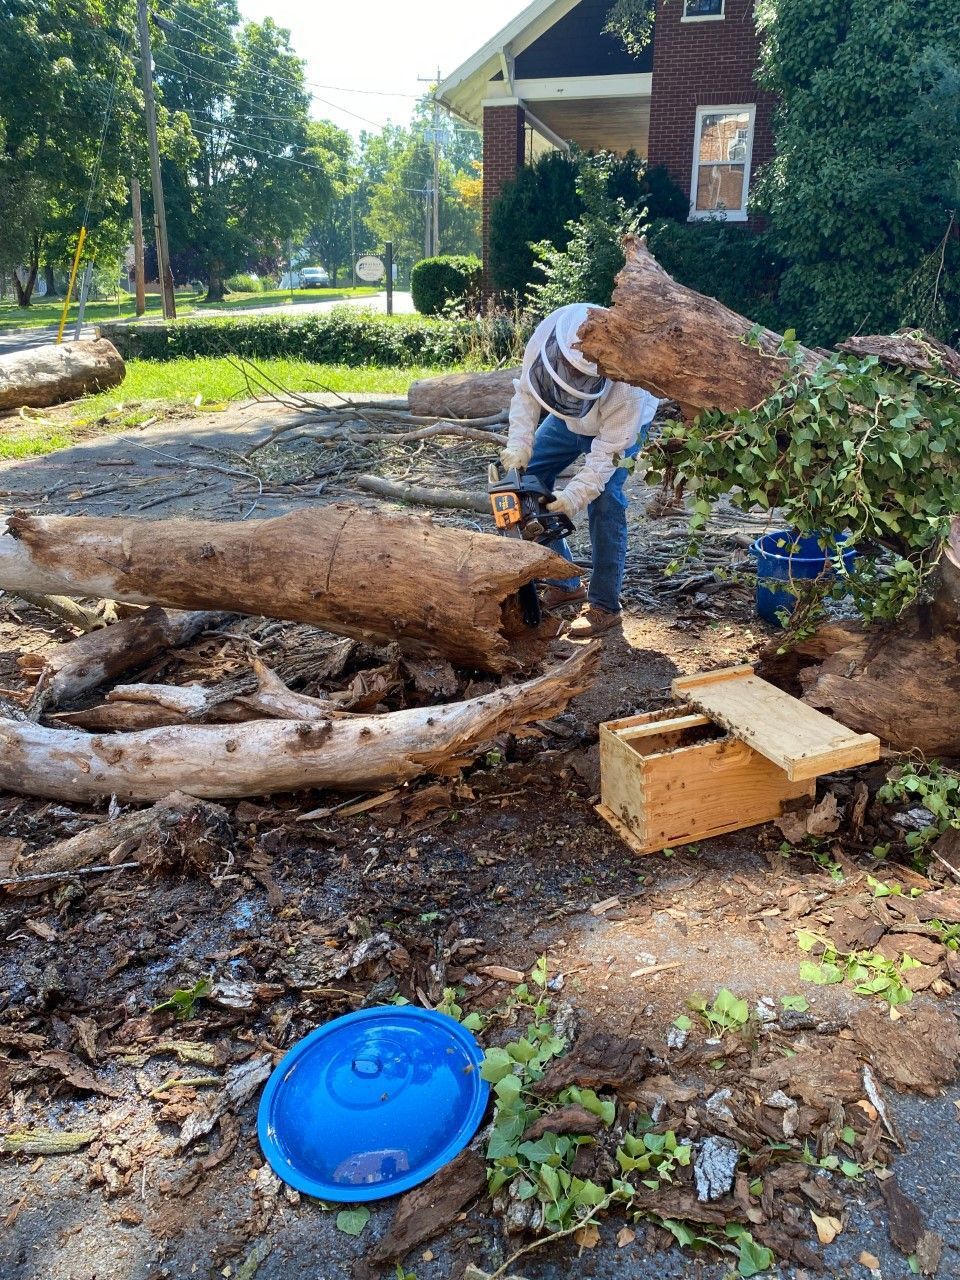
column 463, row 395
column 681, row 345
column 897, row 681
column 355, row 753
column 375, row 575
column 81, row 665
column 50, row 374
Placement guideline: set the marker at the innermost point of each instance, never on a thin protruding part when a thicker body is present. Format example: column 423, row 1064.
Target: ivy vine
column 856, row 447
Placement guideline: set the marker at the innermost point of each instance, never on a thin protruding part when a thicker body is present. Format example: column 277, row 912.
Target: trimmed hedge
column 437, row 283
column 339, row 337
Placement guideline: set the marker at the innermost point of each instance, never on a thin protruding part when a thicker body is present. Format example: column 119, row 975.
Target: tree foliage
column 586, row 269
column 863, row 194
column 544, row 201
column 259, row 175
column 65, row 70
column 396, row 190
column 633, row 22
column 856, row 447
column 330, row 238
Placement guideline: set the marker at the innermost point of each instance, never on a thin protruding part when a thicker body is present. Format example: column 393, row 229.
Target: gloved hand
column 562, row 503
column 514, row 459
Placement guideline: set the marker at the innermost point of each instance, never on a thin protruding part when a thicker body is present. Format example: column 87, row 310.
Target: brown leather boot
column 593, row 621
column 555, row 597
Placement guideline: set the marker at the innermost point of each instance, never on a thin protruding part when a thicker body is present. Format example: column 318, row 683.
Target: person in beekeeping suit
column 604, row 421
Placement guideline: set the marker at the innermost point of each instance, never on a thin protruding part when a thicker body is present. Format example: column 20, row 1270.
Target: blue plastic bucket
column 788, row 557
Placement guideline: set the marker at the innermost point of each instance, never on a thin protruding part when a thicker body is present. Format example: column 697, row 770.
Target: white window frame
column 704, row 17
column 730, row 215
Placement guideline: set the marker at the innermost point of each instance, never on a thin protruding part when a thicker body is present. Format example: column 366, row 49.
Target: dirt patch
column 315, row 907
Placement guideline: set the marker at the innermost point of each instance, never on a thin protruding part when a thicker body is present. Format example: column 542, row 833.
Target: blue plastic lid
column 372, row 1104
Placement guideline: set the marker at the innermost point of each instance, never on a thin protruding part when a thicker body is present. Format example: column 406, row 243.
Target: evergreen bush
column 437, row 284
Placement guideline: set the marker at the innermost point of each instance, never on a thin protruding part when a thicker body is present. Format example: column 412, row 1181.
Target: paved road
column 402, row 306
column 23, row 339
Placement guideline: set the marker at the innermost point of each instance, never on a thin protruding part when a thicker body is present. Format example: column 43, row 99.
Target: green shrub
column 536, row 206
column 723, row 260
column 345, row 335
column 585, row 271
column 543, row 202
column 450, row 280
column 244, row 283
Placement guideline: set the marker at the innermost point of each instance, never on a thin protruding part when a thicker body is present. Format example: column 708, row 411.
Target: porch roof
column 609, row 111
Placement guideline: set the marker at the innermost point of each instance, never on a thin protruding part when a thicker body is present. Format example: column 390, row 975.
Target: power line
column 336, row 88
column 267, row 75
column 107, row 117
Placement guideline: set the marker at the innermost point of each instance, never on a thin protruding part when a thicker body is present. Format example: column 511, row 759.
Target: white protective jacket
column 613, row 423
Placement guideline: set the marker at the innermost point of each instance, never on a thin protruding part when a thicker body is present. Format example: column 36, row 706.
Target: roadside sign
column 370, row 268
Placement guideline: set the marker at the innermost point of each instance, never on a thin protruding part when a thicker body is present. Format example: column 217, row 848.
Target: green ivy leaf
column 352, row 1221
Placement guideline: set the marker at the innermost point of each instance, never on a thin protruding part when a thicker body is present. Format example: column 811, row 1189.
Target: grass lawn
column 153, row 387
column 42, row 313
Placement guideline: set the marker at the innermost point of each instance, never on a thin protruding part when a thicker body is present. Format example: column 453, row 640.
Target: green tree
column 331, row 237
column 864, row 192
column 398, row 203
column 259, row 175
column 71, row 112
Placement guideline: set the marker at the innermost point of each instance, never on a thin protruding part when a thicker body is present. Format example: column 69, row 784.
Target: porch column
column 503, row 157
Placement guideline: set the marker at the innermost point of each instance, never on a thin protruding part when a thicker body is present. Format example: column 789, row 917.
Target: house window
column 722, row 151
column 702, row 10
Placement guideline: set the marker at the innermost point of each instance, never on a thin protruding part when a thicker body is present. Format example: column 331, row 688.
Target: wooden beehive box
column 736, row 755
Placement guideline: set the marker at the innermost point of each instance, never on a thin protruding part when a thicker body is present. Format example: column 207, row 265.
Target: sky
column 364, row 57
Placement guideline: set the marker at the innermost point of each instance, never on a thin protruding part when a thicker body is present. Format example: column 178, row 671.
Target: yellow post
column 73, row 278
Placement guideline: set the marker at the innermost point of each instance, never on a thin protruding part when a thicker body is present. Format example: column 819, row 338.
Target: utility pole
column 160, row 213
column 432, row 241
column 353, row 243
column 436, row 169
column 138, row 247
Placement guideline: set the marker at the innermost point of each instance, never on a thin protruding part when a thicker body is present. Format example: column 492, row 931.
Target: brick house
column 690, row 102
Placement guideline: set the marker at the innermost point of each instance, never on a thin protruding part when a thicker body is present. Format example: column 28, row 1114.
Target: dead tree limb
column 372, row 574
column 454, row 429
column 422, row 495
column 463, row 395
column 169, row 831
column 681, row 345
column 81, row 665
column 356, row 753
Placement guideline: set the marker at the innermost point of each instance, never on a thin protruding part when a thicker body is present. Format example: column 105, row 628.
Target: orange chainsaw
column 519, row 503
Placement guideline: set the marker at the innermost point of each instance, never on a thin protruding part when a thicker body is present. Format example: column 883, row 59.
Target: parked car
column 314, row 278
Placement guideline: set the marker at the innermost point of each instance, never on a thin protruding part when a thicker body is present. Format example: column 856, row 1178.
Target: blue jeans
column 555, row 446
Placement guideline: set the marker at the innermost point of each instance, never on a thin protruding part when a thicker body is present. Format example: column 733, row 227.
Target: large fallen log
column 378, row 576
column 41, row 376
column 680, row 344
column 356, row 753
column 897, row 681
column 462, row 395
